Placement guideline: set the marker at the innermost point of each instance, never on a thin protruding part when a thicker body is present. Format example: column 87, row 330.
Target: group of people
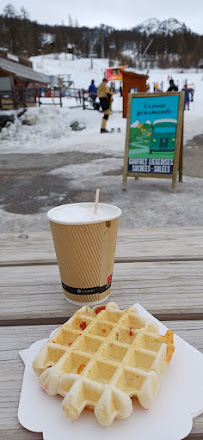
column 104, row 93
column 188, row 93
column 174, row 88
column 160, row 88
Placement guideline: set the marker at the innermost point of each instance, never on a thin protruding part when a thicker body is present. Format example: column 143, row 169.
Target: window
column 5, row 84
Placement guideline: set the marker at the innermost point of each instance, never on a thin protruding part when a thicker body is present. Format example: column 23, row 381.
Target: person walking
column 92, row 92
column 104, row 96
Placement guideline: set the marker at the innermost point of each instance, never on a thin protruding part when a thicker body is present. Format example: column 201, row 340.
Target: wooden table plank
column 133, row 245
column 14, row 339
column 33, row 294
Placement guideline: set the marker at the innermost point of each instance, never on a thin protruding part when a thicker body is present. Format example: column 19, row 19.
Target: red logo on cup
column 109, row 279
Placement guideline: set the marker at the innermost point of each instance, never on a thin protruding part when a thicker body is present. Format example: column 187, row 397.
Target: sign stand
column 181, row 159
column 160, row 113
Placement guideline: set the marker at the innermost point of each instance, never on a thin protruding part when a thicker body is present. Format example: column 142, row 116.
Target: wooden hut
column 14, row 75
column 132, row 83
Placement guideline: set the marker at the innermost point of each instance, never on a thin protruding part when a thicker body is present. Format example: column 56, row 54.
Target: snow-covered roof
column 47, row 38
column 12, row 57
column 23, row 71
column 132, row 70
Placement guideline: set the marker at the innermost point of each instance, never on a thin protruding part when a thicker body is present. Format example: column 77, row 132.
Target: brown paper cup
column 85, row 255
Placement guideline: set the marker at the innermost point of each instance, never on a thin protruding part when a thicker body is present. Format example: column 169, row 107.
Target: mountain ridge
column 166, row 27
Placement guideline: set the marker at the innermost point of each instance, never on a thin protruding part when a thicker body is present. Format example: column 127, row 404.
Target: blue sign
column 152, row 137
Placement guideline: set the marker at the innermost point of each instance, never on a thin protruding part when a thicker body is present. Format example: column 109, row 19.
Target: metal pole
column 145, row 51
column 83, row 99
column 91, row 49
column 102, row 45
column 60, row 96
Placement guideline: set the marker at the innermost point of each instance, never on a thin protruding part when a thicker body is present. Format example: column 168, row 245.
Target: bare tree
column 70, row 21
column 9, row 11
column 24, row 14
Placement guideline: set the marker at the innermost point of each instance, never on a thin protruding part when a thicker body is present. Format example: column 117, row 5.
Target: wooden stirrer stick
column 96, row 200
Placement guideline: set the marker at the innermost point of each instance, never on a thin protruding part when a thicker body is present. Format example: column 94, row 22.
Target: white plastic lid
column 83, row 213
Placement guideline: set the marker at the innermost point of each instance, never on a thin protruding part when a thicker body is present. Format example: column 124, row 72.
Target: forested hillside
column 22, row 36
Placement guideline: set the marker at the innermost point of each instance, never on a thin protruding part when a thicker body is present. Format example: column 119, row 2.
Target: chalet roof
column 23, row 71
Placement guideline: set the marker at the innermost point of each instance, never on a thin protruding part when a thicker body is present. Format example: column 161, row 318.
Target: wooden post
column 181, row 157
column 124, row 182
column 14, row 97
column 179, row 136
column 125, row 167
column 79, row 96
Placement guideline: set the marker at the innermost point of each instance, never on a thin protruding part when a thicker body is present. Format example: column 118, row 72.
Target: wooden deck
column 160, row 268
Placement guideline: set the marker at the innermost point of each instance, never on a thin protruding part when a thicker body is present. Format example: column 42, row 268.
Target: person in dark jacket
column 92, row 92
column 172, row 87
column 187, row 97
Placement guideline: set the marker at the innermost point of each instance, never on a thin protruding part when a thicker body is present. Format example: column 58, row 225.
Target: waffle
column 101, row 358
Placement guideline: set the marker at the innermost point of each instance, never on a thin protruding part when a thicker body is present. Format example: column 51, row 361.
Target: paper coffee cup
column 85, row 244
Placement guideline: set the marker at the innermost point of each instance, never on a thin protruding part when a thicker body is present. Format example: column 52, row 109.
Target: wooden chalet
column 18, row 83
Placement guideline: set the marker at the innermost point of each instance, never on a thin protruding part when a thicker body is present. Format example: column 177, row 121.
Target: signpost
column 114, row 73
column 154, row 136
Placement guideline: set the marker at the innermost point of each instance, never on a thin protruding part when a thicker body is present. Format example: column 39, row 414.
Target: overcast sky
column 119, row 14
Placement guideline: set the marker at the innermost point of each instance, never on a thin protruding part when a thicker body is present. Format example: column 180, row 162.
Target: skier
column 187, row 97
column 172, row 87
column 105, row 97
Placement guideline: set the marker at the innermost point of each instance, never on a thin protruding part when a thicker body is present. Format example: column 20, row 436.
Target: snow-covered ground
column 79, row 69
column 147, row 202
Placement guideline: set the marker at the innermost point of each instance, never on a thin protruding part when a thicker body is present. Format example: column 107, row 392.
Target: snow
column 170, row 26
column 47, row 38
column 80, row 69
column 149, row 26
column 147, row 202
column 12, row 57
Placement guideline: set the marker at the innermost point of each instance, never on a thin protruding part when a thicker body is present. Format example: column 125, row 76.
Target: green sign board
column 154, row 135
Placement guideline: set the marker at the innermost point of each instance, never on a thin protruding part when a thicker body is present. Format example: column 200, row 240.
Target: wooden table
column 160, row 268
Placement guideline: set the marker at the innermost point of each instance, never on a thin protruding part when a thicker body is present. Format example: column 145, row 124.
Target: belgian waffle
column 101, row 358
